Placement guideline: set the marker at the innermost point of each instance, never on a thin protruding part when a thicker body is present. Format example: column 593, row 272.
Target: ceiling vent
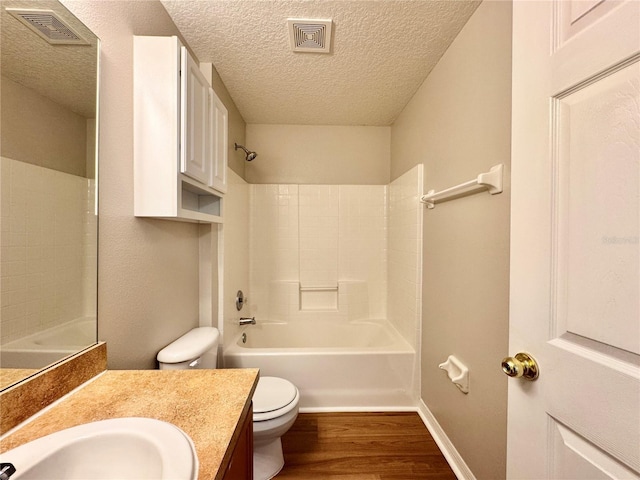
column 49, row 26
column 310, row 35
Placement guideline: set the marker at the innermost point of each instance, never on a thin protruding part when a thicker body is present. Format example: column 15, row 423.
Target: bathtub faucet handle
column 247, row 321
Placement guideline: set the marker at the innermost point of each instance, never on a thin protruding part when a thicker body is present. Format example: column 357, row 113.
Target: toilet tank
column 197, row 348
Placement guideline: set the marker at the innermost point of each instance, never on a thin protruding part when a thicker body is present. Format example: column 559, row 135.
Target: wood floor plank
column 361, row 446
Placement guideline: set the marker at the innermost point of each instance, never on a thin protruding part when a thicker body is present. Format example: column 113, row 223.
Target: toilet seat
column 273, row 398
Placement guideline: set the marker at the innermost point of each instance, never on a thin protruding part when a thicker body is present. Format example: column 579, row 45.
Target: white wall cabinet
column 180, row 135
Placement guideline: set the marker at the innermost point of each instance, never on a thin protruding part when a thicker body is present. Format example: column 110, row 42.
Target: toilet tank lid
column 192, row 344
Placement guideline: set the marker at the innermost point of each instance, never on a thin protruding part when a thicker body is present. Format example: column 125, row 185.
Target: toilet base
column 268, row 460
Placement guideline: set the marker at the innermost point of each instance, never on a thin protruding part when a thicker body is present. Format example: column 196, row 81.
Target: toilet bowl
column 275, row 408
column 275, row 401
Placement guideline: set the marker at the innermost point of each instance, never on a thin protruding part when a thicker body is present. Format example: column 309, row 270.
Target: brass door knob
column 522, row 365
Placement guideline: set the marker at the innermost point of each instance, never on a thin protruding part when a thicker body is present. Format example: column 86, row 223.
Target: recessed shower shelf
column 328, row 288
column 318, row 297
column 491, row 180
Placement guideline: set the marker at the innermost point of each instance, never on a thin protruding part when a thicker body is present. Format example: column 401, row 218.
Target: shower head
column 249, row 155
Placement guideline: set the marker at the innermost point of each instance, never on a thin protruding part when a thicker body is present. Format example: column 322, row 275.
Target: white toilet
column 275, row 401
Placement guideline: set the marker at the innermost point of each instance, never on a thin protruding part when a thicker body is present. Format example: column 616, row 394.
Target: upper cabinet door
column 196, row 152
column 220, row 133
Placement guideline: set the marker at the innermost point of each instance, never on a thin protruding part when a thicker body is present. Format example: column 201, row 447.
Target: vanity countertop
column 209, row 405
column 9, row 376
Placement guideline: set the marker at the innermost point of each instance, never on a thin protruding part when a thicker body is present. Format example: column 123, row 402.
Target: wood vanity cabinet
column 180, row 135
column 241, row 464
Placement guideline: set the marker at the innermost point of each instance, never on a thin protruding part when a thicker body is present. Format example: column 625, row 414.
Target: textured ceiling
column 65, row 74
column 382, row 52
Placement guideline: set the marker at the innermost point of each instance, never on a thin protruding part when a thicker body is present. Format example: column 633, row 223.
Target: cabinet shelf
column 198, row 204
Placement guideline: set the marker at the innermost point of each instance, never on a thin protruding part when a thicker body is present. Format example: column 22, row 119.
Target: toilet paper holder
column 458, row 373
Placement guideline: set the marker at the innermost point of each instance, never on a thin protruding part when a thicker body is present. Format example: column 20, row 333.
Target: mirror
column 48, row 243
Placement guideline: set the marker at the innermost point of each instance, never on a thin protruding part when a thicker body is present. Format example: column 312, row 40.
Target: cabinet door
column 221, row 143
column 241, row 464
column 196, row 154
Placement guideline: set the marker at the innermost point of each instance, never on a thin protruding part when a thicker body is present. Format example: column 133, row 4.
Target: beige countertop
column 9, row 376
column 209, row 405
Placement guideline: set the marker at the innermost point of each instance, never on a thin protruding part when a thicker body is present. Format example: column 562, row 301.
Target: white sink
column 120, row 448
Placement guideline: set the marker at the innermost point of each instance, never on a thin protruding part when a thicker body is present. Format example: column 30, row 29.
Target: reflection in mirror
column 48, row 277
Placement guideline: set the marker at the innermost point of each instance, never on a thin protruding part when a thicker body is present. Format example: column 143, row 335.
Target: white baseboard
column 456, row 462
column 350, row 409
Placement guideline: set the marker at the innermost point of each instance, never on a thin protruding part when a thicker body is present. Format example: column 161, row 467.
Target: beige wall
column 148, row 269
column 459, row 123
column 39, row 131
column 313, row 154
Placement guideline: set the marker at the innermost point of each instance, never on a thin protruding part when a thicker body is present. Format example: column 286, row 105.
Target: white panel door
column 574, row 239
column 196, row 156
column 220, row 142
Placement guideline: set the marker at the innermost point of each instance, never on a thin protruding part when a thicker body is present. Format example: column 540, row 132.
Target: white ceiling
column 65, row 74
column 382, row 52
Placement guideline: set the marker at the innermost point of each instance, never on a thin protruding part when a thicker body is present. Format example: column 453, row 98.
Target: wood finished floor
column 361, row 446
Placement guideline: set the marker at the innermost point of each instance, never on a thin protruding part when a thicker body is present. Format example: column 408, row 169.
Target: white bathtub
column 336, row 365
column 44, row 348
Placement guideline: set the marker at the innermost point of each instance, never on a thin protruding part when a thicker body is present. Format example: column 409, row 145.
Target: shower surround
column 321, row 254
column 48, row 248
column 314, row 245
column 347, row 251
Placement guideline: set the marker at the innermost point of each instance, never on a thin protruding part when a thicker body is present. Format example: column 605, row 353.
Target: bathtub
column 336, row 365
column 44, row 348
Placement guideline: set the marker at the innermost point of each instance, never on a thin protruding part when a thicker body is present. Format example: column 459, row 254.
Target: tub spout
column 247, row 321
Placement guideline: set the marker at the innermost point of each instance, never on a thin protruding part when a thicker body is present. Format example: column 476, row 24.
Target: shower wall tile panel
column 405, row 254
column 236, row 253
column 45, row 264
column 353, row 300
column 274, row 247
column 363, row 243
column 319, row 235
column 90, row 247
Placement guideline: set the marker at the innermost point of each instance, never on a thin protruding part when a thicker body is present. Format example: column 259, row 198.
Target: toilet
column 275, row 400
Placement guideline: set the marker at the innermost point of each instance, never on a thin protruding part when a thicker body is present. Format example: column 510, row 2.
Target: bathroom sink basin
column 120, row 448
